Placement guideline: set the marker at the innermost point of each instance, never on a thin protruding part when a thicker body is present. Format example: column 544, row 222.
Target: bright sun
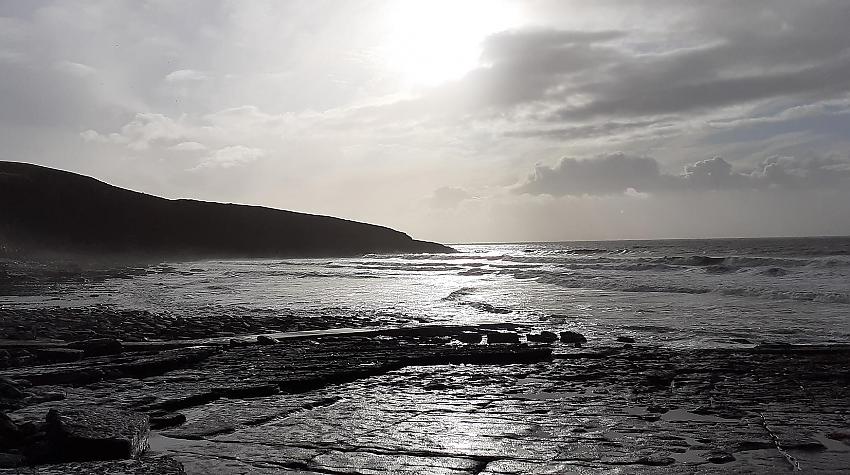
column 433, row 41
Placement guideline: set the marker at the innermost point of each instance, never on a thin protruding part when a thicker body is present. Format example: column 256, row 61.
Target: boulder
column 471, row 338
column 266, row 340
column 502, row 337
column 572, row 337
column 98, row 346
column 95, row 434
column 543, row 337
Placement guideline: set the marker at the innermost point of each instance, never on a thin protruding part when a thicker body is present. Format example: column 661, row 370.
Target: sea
column 676, row 293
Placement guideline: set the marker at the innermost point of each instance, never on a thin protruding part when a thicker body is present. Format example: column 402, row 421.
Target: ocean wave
column 804, row 295
column 694, row 261
column 614, row 260
column 315, row 274
column 435, row 257
column 476, row 271
column 649, row 328
column 830, row 263
column 619, row 266
column 457, row 294
column 720, row 269
column 598, row 282
column 431, row 267
column 584, row 251
column 488, row 308
column 774, row 272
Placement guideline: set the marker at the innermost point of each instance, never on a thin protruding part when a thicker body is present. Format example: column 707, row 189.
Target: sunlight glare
column 434, row 41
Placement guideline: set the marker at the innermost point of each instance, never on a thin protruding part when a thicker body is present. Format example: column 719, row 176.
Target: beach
column 397, row 237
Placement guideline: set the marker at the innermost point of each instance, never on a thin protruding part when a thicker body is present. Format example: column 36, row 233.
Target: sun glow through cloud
column 431, row 42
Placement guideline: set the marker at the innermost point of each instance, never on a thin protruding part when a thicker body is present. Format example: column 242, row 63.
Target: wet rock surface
column 543, row 337
column 154, row 464
column 572, row 337
column 422, row 402
column 100, row 323
column 95, row 434
column 98, row 346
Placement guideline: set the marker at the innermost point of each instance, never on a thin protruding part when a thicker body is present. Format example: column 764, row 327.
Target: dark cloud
column 519, row 67
column 619, row 173
column 538, row 45
column 590, row 130
column 524, row 66
column 609, row 174
column 665, row 95
column 725, row 54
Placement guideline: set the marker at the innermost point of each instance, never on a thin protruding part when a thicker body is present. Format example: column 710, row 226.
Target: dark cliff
column 47, row 210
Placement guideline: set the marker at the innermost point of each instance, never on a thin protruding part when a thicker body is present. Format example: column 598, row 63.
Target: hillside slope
column 48, row 210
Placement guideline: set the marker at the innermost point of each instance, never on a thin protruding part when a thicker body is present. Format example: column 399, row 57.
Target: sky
column 451, row 120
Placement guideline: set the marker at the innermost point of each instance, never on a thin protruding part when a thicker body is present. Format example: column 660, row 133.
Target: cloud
column 712, row 63
column 74, row 69
column 619, row 173
column 609, row 174
column 92, row 136
column 186, row 75
column 447, row 197
column 229, row 157
column 678, row 96
column 188, row 147
column 602, row 129
column 147, row 128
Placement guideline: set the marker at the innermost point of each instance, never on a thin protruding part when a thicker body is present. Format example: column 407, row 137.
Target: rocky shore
column 61, row 324
column 441, row 399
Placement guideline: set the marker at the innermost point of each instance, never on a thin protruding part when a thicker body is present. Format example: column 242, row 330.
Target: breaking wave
column 598, row 282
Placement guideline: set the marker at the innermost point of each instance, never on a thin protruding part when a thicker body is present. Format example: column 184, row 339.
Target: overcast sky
column 451, row 120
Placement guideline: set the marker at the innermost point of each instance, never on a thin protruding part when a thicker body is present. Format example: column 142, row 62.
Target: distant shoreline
column 568, row 241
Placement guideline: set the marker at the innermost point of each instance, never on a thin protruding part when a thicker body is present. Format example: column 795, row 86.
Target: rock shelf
column 423, row 401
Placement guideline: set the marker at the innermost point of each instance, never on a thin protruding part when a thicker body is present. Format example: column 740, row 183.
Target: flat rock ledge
column 154, row 464
column 96, row 434
column 446, row 402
